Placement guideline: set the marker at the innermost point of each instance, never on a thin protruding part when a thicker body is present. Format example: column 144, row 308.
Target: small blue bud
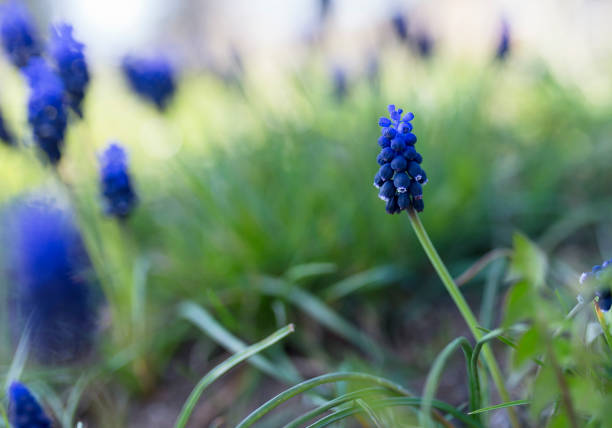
column 596, row 268
column 388, row 154
column 410, row 153
column 387, row 191
column 604, row 299
column 386, row 172
column 398, row 144
column 384, row 122
column 415, row 171
column 415, row 189
column 151, row 78
column 389, row 132
column 418, row 158
column 24, row 410
column 410, row 138
column 408, row 117
column 403, row 200
column 117, row 191
column 392, row 206
column 417, row 203
column 399, row 163
column 384, row 142
column 404, row 127
column 378, row 181
column 380, row 159
column 401, row 181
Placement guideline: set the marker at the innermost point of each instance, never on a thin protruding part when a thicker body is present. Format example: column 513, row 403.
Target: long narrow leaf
column 224, row 367
column 500, row 406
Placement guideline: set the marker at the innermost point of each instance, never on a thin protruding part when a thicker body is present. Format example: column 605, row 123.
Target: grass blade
column 500, row 406
column 200, row 317
column 379, row 275
column 224, row 367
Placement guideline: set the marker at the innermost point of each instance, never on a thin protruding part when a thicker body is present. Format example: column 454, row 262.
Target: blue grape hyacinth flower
column 503, row 46
column 71, row 65
column 599, row 275
column 24, row 410
column 19, row 35
column 400, row 26
column 5, row 135
column 151, row 78
column 117, row 190
column 46, row 108
column 400, row 177
column 52, row 295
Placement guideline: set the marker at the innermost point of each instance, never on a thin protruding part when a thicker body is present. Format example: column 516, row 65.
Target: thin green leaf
column 306, row 270
column 370, row 412
column 500, row 406
column 224, row 367
column 379, row 275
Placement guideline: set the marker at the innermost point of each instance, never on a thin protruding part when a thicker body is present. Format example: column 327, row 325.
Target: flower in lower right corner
column 117, row 190
column 24, row 410
column 599, row 275
column 400, row 176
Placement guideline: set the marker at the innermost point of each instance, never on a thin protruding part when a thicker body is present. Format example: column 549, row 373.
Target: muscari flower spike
column 19, row 35
column 46, row 108
column 603, row 294
column 400, row 26
column 424, row 44
column 71, row 65
column 400, row 177
column 24, row 410
column 151, row 78
column 503, row 47
column 117, row 191
column 51, row 294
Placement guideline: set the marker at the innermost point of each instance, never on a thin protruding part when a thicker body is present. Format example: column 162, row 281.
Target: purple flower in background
column 24, row 410
column 598, row 275
column 400, row 26
column 19, row 35
column 46, row 109
column 71, row 66
column 424, row 44
column 50, row 286
column 151, row 78
column 400, row 176
column 340, row 82
column 117, row 191
column 503, row 47
column 5, row 135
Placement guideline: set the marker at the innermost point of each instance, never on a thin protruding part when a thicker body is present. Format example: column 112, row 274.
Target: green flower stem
column 463, row 307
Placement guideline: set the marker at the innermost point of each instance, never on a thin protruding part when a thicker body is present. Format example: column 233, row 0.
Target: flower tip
column 384, row 122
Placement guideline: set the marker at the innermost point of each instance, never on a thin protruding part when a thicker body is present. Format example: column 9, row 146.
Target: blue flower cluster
column 5, row 134
column 603, row 294
column 19, row 36
column 151, row 78
column 71, row 66
column 24, row 410
column 117, row 191
column 50, row 292
column 400, row 175
column 46, row 109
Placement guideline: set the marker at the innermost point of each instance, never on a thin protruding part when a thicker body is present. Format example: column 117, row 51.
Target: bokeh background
column 255, row 185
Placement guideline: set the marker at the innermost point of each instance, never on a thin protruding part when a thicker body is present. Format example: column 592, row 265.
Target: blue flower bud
column 399, row 163
column 415, row 171
column 418, row 158
column 408, row 117
column 410, row 138
column 389, row 132
column 380, row 159
column 398, row 144
column 117, row 191
column 384, row 122
column 387, row 191
column 388, row 154
column 423, row 179
column 392, row 206
column 410, row 153
column 24, row 410
column 604, row 299
column 403, row 200
column 151, row 78
column 399, row 26
column 384, row 142
column 415, row 189
column 417, row 203
column 378, row 181
column 404, row 127
column 401, row 181
column 386, row 172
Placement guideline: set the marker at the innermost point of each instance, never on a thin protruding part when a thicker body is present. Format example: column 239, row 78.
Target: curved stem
column 463, row 307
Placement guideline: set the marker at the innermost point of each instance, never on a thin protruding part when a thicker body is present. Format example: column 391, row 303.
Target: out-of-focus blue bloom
column 46, row 108
column 19, row 35
column 340, row 82
column 151, row 78
column 424, row 44
column 71, row 66
column 400, row 26
column 51, row 291
column 400, row 176
column 601, row 275
column 5, row 135
column 24, row 410
column 324, row 8
column 117, row 191
column 503, row 47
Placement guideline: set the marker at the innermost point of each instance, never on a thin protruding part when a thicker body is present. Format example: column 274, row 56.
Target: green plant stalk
column 463, row 307
column 224, row 367
column 604, row 326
